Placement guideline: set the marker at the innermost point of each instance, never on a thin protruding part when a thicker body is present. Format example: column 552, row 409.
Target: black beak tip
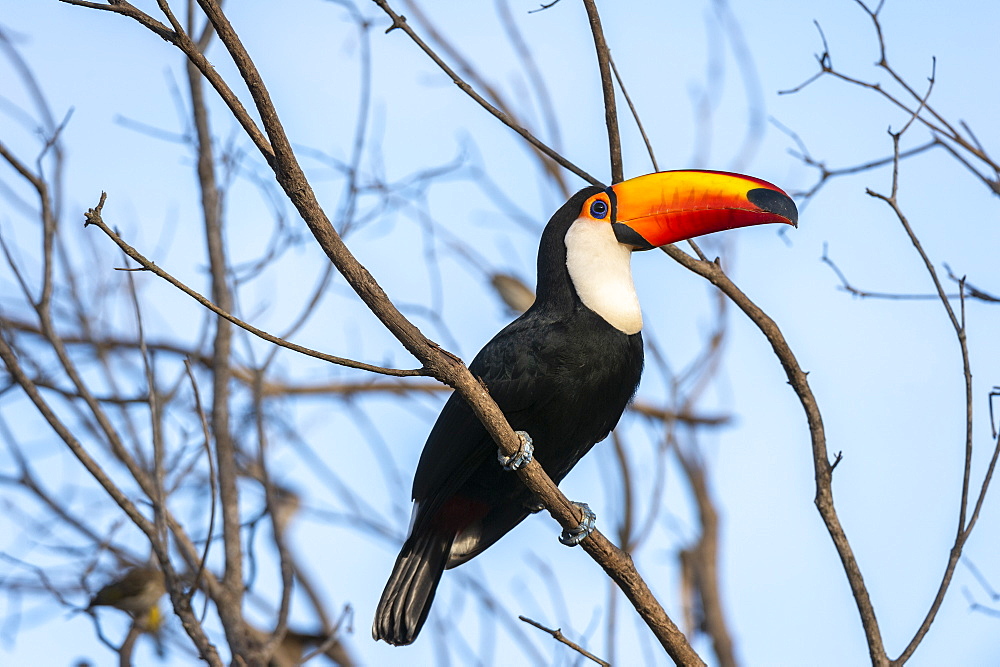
column 774, row 202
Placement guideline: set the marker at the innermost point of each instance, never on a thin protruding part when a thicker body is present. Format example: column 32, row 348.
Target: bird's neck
column 588, row 266
column 600, row 270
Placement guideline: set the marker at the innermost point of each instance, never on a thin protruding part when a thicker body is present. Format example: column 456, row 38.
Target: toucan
column 562, row 373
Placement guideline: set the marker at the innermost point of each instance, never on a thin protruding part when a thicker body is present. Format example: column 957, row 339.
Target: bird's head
column 670, row 206
column 590, row 240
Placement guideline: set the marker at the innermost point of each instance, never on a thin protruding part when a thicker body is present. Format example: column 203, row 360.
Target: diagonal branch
column 608, row 88
column 965, row 525
column 94, row 217
column 191, row 50
column 823, row 470
column 399, row 22
column 560, row 637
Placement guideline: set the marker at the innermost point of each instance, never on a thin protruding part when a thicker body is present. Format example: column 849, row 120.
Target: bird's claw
column 523, row 456
column 573, row 536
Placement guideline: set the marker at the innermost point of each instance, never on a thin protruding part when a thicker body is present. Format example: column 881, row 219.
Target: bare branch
column 560, row 637
column 94, row 218
column 821, row 462
column 608, row 88
column 635, row 114
column 399, row 22
column 958, row 323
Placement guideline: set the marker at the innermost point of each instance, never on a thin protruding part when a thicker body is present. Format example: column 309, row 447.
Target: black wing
column 565, row 381
column 514, row 369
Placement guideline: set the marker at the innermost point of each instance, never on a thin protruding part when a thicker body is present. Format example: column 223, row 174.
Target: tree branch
column 560, row 637
column 399, row 22
column 94, row 217
column 608, row 89
column 823, row 470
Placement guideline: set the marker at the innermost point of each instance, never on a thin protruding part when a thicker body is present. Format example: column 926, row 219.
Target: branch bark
column 608, row 89
column 822, row 467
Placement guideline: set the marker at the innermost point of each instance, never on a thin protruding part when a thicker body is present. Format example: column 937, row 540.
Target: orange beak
column 670, row 206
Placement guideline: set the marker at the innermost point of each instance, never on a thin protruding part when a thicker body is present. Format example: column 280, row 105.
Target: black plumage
column 559, row 372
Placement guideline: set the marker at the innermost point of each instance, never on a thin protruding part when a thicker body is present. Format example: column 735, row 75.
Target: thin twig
column 939, row 127
column 94, row 217
column 968, row 291
column 560, row 637
column 399, row 22
column 213, row 490
column 635, row 114
column 190, row 49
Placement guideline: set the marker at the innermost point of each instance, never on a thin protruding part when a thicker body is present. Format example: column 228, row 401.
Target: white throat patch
column 601, row 270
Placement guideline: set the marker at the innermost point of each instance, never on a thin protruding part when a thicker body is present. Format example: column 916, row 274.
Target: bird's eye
column 599, row 209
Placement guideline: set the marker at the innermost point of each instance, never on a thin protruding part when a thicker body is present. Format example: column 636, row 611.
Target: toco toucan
column 563, row 372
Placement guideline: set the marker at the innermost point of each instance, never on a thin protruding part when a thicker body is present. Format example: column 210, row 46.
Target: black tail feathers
column 407, row 597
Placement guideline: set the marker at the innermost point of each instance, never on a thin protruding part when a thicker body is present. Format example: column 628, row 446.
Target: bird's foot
column 534, row 506
column 573, row 536
column 517, row 461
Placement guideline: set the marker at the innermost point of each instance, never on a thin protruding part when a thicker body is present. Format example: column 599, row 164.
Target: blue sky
column 886, row 373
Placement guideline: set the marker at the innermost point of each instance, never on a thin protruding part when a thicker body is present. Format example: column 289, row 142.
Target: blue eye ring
column 599, row 209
